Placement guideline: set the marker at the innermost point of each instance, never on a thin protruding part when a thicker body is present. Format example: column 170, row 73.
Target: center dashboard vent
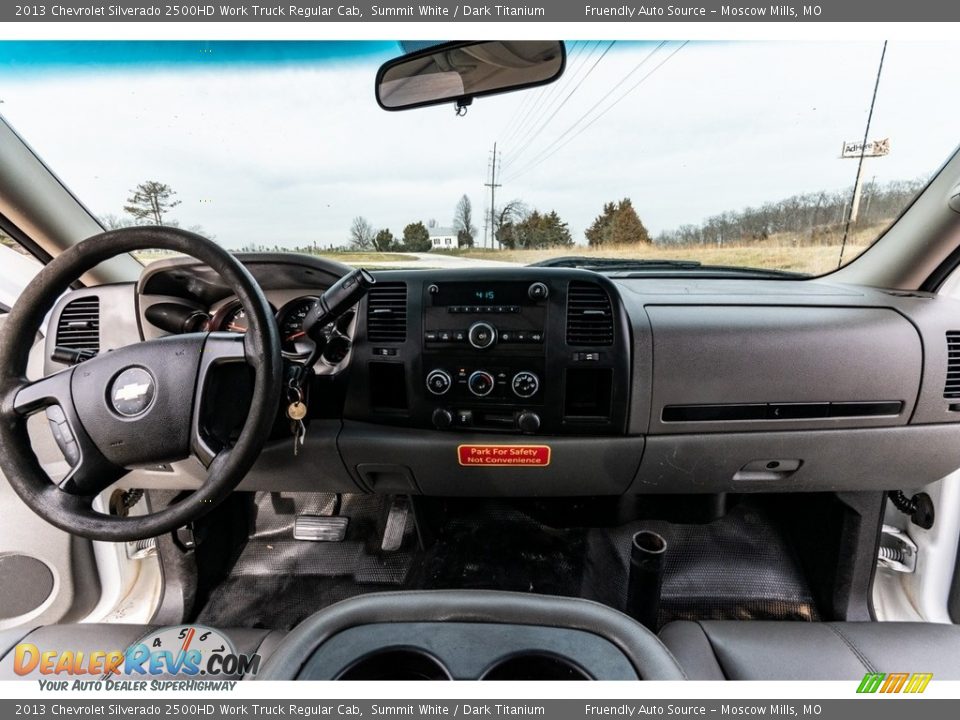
column 952, row 387
column 387, row 312
column 589, row 315
column 79, row 325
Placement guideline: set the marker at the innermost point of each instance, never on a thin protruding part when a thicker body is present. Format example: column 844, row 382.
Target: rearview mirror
column 459, row 72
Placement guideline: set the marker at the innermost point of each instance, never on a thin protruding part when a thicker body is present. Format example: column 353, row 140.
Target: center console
column 526, row 351
column 469, row 635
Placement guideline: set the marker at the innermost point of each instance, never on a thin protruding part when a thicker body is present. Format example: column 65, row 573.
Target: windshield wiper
column 626, row 265
column 592, row 263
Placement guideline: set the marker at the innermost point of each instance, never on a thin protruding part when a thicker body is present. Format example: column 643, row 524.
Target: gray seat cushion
column 761, row 650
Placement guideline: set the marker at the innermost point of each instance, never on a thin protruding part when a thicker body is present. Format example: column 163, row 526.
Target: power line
column 516, row 121
column 599, row 102
column 548, row 92
column 546, row 122
column 557, row 91
column 610, row 107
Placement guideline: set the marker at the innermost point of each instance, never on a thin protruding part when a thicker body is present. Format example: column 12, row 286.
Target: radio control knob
column 528, row 422
column 442, row 419
column 438, row 382
column 482, row 335
column 525, row 384
column 481, row 383
column 538, row 291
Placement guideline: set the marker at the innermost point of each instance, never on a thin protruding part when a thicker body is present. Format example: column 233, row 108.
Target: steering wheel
column 136, row 405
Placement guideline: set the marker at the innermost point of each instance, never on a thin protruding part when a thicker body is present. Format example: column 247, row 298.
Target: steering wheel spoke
column 90, row 472
column 36, row 395
column 219, row 349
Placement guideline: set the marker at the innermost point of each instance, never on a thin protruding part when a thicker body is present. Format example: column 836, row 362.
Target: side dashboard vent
column 589, row 315
column 387, row 312
column 952, row 387
column 79, row 325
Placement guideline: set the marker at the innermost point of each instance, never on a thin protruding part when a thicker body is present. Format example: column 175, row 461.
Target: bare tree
column 463, row 222
column 114, row 222
column 361, row 234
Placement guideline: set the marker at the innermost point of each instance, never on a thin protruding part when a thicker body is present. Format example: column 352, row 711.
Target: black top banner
column 446, row 11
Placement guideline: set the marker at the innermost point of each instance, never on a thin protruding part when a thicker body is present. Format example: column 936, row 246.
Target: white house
column 443, row 238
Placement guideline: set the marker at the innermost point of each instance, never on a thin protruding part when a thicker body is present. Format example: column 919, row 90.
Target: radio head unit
column 486, row 295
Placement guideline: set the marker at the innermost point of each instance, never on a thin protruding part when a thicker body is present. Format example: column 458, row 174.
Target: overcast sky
column 284, row 143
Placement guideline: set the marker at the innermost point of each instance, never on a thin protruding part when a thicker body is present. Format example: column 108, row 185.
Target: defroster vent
column 589, row 315
column 79, row 325
column 387, row 312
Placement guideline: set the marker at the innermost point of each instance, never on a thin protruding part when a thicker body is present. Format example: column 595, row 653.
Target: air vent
column 952, row 387
column 387, row 312
column 589, row 315
column 79, row 325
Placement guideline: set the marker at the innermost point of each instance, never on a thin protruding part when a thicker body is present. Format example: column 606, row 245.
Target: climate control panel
column 483, row 383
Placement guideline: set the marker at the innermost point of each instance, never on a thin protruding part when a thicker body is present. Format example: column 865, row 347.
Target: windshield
column 746, row 155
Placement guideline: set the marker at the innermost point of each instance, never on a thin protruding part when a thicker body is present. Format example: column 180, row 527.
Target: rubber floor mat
column 739, row 567
column 278, row 581
column 494, row 546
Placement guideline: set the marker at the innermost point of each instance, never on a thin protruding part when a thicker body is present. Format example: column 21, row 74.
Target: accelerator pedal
column 396, row 526
column 320, row 528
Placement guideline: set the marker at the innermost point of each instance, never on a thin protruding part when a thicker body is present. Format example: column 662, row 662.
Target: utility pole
column 493, row 185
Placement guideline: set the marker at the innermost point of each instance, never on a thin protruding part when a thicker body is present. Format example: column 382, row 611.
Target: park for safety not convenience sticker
column 504, row 455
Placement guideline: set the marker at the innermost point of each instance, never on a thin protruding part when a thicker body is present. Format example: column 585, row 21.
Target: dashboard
column 564, row 382
column 181, row 296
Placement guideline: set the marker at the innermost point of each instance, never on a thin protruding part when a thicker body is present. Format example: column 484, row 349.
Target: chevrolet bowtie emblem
column 133, row 391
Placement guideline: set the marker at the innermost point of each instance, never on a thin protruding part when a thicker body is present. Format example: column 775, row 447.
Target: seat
column 90, row 638
column 769, row 650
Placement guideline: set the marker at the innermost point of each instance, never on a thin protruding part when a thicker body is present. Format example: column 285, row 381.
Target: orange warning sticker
column 504, row 455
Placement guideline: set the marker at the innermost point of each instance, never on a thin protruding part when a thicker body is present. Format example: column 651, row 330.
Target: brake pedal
column 320, row 528
column 396, row 525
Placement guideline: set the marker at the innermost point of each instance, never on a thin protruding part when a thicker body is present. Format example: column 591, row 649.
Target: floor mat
column 277, row 581
column 492, row 545
column 739, row 567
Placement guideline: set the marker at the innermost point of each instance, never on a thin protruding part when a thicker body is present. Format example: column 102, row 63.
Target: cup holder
column 535, row 666
column 396, row 664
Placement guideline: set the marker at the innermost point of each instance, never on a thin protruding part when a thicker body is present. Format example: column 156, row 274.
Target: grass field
column 781, row 252
column 365, row 259
column 815, row 259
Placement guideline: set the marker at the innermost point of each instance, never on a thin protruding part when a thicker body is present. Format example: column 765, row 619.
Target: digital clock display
column 492, row 293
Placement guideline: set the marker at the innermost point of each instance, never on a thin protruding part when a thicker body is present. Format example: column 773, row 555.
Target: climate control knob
column 438, row 382
column 481, row 383
column 481, row 335
column 525, row 384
